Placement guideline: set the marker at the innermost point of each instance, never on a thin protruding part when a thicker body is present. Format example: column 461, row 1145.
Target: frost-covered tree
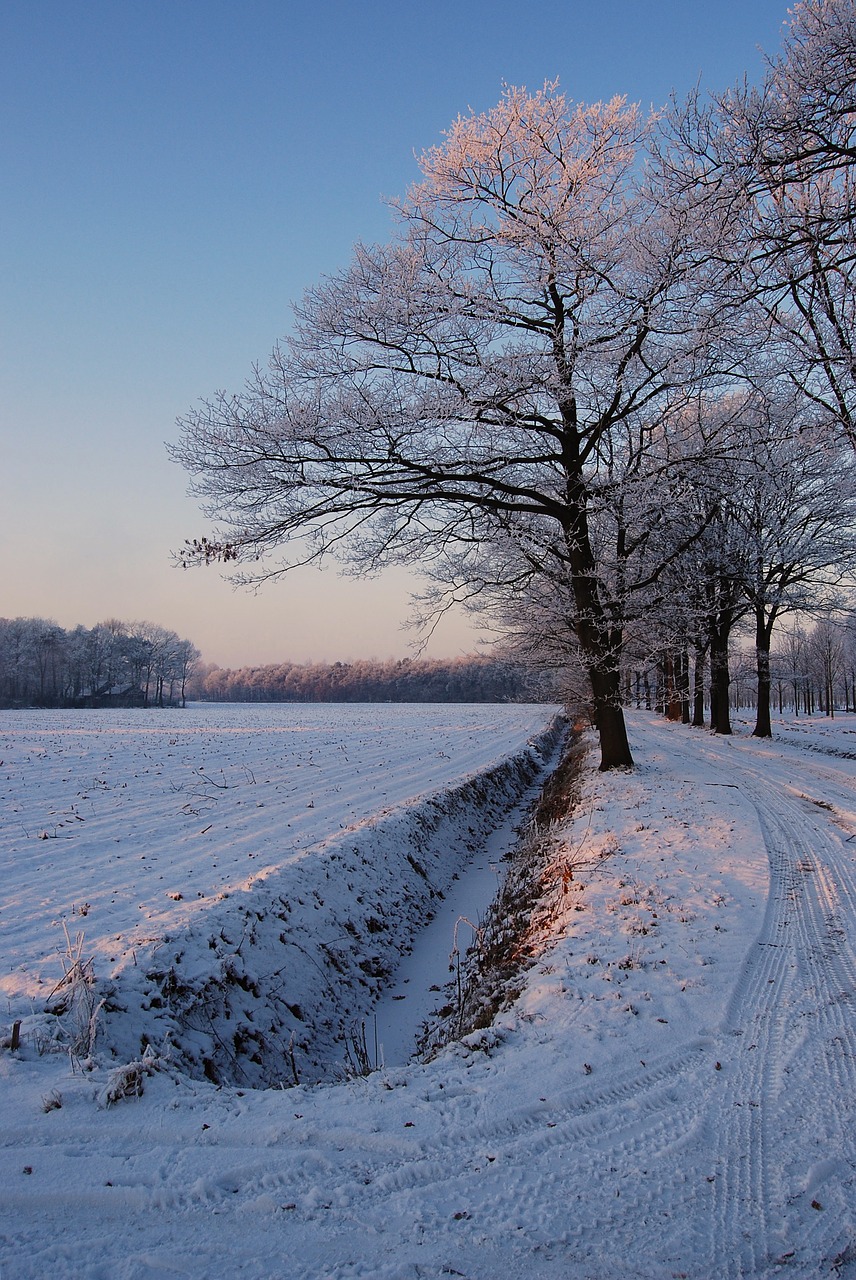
column 463, row 395
column 780, row 158
column 827, row 661
column 652, row 500
column 185, row 660
column 795, row 507
column 779, row 538
column 113, row 662
column 715, row 574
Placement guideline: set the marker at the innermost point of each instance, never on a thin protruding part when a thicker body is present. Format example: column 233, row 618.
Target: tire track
column 730, row 1163
column 728, row 1155
column 801, row 969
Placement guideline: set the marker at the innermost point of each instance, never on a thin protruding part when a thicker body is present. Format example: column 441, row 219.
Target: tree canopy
column 530, row 392
column 114, row 663
column 466, row 394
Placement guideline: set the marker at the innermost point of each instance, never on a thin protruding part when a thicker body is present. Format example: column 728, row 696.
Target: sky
column 175, row 175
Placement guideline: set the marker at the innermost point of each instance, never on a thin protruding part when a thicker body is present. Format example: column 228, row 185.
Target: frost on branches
column 475, row 394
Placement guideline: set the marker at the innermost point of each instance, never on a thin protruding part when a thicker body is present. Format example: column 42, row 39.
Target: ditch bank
column 267, row 987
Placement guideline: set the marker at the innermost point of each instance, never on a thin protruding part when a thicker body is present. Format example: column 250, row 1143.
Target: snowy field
column 283, row 855
column 672, row 1095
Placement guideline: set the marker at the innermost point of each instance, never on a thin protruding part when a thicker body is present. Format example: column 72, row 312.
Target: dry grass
column 488, row 978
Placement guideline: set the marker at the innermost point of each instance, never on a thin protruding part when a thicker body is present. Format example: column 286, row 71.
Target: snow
column 245, row 878
column 671, row 1095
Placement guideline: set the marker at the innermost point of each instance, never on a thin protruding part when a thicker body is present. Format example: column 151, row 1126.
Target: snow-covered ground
column 673, row 1093
column 244, row 879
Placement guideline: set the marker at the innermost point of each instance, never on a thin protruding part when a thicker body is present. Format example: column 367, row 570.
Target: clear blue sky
column 175, row 173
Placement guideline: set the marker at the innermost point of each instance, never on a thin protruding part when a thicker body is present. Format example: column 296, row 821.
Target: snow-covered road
column 789, row 1036
column 672, row 1094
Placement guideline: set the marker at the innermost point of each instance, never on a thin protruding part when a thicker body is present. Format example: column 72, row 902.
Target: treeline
column 465, row 679
column 116, row 664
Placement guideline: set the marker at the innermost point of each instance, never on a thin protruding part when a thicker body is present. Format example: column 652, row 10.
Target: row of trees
column 112, row 664
column 600, row 386
column 811, row 671
column 465, row 679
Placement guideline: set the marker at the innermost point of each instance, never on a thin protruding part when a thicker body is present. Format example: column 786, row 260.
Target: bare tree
column 113, row 662
column 465, row 390
column 185, row 661
column 827, row 657
column 795, row 506
column 801, row 121
column 781, row 159
column 779, row 538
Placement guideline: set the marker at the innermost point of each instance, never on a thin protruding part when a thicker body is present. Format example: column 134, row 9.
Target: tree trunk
column 698, row 687
column 671, row 681
column 609, row 720
column 720, row 677
column 658, row 698
column 600, row 644
column 763, row 726
column 684, row 684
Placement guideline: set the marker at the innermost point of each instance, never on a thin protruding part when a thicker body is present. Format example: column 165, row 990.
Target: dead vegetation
column 487, row 978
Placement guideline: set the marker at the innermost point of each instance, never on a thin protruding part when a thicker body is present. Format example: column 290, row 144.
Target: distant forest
column 113, row 664
column 474, row 678
column 141, row 664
